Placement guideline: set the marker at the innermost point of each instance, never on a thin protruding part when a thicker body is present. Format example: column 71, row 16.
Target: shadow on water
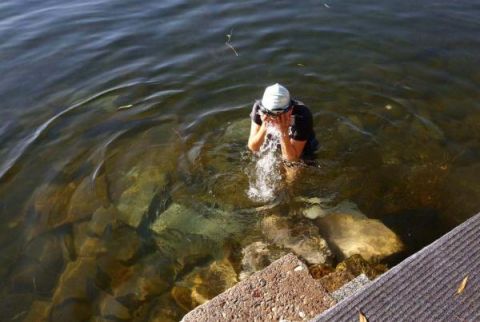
column 417, row 228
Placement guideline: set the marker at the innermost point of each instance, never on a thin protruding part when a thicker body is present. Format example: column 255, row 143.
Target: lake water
column 114, row 111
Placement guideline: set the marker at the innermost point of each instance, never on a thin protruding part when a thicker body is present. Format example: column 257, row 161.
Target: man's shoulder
column 301, row 109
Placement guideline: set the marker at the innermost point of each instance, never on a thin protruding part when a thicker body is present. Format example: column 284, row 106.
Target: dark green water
column 112, row 111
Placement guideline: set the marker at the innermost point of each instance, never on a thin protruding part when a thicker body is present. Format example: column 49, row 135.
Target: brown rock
column 39, row 312
column 86, row 245
column 165, row 310
column 187, row 249
column 50, row 203
column 276, row 229
column 352, row 234
column 214, row 224
column 123, row 244
column 142, row 182
column 15, row 306
column 257, row 256
column 302, row 239
column 313, row 249
column 102, row 219
column 83, row 203
column 76, row 282
column 148, row 278
column 72, row 310
column 76, row 291
column 111, row 273
column 111, row 309
column 204, row 283
column 335, row 280
column 357, row 265
column 349, row 269
column 58, row 205
column 319, row 270
column 39, row 266
column 183, row 297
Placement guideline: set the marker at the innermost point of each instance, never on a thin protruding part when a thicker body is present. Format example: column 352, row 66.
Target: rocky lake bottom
column 144, row 237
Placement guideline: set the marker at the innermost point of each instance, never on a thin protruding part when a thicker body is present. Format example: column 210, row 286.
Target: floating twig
column 124, row 107
column 229, row 38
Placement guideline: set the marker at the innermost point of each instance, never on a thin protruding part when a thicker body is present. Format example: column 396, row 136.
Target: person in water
column 291, row 117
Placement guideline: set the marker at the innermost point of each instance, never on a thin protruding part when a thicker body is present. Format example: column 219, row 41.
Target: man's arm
column 291, row 149
column 257, row 135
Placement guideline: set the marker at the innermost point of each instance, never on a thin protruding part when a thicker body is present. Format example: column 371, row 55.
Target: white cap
column 276, row 98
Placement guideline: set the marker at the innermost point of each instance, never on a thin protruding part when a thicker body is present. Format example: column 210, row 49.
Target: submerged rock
column 303, row 239
column 212, row 223
column 72, row 310
column 40, row 265
column 110, row 273
column 38, row 312
column 314, row 211
column 276, row 229
column 313, row 249
column 150, row 277
column 15, row 306
column 134, row 202
column 320, row 270
column 77, row 281
column 336, row 280
column 357, row 265
column 85, row 244
column 348, row 270
column 320, row 207
column 50, row 205
column 102, row 219
column 111, row 309
column 75, row 291
column 187, row 249
column 57, row 205
column 237, row 131
column 166, row 310
column 204, row 283
column 123, row 244
column 257, row 256
column 137, row 167
column 353, row 234
column 84, row 201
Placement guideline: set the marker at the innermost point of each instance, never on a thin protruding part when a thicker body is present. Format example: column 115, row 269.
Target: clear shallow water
column 132, row 107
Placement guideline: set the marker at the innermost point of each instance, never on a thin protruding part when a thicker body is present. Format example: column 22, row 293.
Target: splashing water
column 266, row 177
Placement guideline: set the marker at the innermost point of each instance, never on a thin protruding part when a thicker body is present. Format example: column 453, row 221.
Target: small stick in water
column 229, row 38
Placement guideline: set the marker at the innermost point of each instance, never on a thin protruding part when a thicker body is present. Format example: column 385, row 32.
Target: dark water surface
column 113, row 111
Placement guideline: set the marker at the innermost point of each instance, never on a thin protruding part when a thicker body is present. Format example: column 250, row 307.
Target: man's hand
column 266, row 119
column 282, row 122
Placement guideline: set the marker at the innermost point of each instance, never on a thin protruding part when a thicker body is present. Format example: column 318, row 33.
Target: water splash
column 265, row 178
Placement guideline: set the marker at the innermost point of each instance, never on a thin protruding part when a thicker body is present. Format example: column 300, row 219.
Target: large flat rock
column 284, row 290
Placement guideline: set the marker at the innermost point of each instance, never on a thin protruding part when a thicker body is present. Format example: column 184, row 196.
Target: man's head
column 275, row 101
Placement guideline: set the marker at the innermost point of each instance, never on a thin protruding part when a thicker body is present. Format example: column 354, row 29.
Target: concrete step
column 285, row 290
